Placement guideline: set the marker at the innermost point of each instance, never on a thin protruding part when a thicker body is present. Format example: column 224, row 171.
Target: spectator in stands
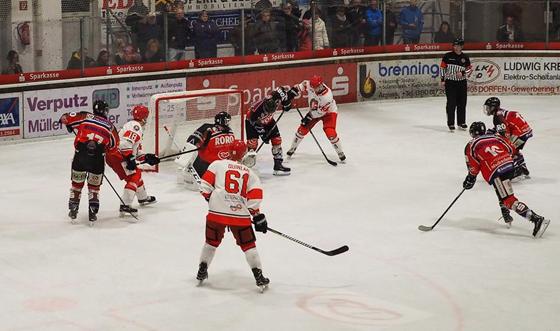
column 134, row 16
column 391, row 23
column 320, row 37
column 444, row 34
column 13, row 66
column 290, row 26
column 412, row 22
column 102, row 58
column 374, row 21
column 265, row 34
column 149, row 29
column 304, row 36
column 76, row 60
column 178, row 29
column 154, row 52
column 341, row 29
column 205, row 34
column 129, row 56
column 295, row 8
column 235, row 38
column 355, row 16
column 509, row 32
column 262, row 5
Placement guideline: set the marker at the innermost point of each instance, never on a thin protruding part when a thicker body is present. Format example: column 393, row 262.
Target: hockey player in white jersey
column 322, row 107
column 234, row 194
column 123, row 160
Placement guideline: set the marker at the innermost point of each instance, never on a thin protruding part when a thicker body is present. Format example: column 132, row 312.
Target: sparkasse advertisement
column 256, row 85
column 43, row 108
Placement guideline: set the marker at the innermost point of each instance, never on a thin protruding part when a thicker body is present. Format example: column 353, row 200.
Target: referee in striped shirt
column 455, row 66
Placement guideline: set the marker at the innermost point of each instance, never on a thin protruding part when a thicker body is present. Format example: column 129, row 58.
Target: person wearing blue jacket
column 412, row 22
column 205, row 34
column 374, row 24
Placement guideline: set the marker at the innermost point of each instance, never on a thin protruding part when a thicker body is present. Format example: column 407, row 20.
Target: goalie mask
column 222, row 118
column 100, row 108
column 491, row 106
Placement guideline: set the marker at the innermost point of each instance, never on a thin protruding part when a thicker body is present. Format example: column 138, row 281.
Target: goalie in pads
column 234, row 194
column 213, row 142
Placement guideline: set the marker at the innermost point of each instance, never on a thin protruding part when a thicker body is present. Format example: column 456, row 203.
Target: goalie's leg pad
column 214, row 233
column 244, row 237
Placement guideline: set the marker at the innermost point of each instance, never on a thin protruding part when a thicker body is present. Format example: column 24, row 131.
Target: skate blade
column 147, row 203
column 541, row 231
column 122, row 214
column 263, row 288
column 508, row 225
column 281, row 173
column 91, row 223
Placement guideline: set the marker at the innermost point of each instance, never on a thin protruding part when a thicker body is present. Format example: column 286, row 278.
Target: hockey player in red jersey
column 492, row 155
column 123, row 160
column 514, row 127
column 260, row 123
column 322, row 107
column 213, row 142
column 95, row 135
column 234, row 194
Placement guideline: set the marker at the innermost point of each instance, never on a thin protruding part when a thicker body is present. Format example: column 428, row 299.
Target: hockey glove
column 130, row 162
column 306, row 119
column 469, row 182
column 260, row 223
column 151, row 159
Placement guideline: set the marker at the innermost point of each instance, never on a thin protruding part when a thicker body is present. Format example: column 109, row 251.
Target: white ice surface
column 403, row 169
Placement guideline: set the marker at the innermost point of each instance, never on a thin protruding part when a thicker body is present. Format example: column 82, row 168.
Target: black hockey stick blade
column 430, row 228
column 334, row 252
column 425, row 228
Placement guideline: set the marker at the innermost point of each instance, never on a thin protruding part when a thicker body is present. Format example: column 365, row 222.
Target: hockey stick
column 429, row 228
column 176, row 154
column 270, row 132
column 118, row 195
column 333, row 163
column 334, row 252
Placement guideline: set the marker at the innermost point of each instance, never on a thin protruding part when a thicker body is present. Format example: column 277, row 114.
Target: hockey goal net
column 175, row 115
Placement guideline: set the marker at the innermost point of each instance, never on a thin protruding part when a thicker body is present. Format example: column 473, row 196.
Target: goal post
column 175, row 115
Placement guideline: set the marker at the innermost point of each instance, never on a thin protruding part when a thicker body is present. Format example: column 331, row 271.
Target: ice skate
column 92, row 216
column 125, row 209
column 462, row 127
column 202, row 273
column 451, row 128
column 506, row 216
column 540, row 225
column 262, row 281
column 73, row 213
column 291, row 152
column 279, row 169
column 342, row 157
column 148, row 201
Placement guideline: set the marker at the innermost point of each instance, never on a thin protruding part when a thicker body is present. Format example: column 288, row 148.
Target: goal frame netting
column 153, row 126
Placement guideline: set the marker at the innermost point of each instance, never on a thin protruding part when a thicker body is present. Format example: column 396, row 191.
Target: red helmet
column 238, row 150
column 315, row 81
column 140, row 112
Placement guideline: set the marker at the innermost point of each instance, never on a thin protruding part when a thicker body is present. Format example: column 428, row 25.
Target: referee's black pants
column 456, row 92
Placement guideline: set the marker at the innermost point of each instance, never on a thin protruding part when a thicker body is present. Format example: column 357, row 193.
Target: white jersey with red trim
column 319, row 104
column 131, row 138
column 234, row 193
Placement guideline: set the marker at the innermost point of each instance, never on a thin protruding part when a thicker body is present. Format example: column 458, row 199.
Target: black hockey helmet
column 222, row 118
column 477, row 129
column 100, row 108
column 459, row 42
column 271, row 103
column 491, row 105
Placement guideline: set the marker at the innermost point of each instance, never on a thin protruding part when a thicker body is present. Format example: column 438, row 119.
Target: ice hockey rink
column 403, row 170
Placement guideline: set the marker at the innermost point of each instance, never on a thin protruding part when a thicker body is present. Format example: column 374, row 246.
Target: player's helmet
column 270, row 104
column 238, row 150
column 222, row 118
column 491, row 105
column 477, row 129
column 316, row 81
column 459, row 42
column 100, row 108
column 140, row 113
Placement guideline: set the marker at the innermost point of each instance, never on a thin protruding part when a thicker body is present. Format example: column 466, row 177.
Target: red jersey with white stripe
column 92, row 127
column 489, row 154
column 514, row 124
column 234, row 193
column 319, row 103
